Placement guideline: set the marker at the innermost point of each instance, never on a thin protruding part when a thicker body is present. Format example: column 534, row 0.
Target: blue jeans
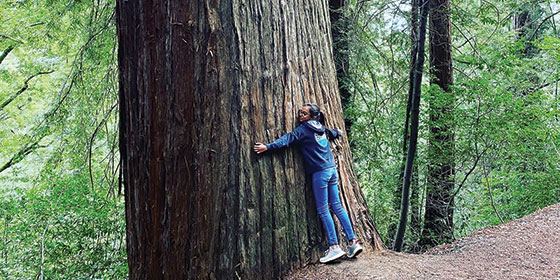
column 325, row 189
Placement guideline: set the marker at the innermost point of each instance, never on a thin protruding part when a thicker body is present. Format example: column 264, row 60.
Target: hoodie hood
column 315, row 126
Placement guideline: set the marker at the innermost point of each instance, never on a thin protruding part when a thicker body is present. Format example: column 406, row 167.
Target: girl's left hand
column 259, row 148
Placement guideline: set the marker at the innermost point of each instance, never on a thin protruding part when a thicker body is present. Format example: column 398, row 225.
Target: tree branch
column 477, row 159
column 532, row 90
column 490, row 193
column 469, row 41
column 5, row 53
column 92, row 138
column 498, row 15
column 540, row 24
column 21, row 90
column 30, row 147
column 11, row 39
column 37, row 23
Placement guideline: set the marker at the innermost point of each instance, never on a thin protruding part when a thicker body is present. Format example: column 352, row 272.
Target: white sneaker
column 354, row 249
column 332, row 254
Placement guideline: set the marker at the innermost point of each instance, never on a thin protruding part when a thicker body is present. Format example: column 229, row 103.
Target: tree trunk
column 415, row 211
column 200, row 83
column 413, row 56
column 340, row 26
column 521, row 22
column 414, row 195
column 438, row 222
column 524, row 25
column 414, row 118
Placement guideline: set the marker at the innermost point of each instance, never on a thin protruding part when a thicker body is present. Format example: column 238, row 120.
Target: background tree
column 415, row 219
column 414, row 114
column 438, row 219
column 340, row 28
column 197, row 89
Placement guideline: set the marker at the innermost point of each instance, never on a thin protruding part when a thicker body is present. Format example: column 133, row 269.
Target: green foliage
column 61, row 216
column 63, row 230
column 505, row 103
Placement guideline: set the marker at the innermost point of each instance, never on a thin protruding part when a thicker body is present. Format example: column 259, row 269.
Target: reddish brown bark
column 201, row 81
column 340, row 29
column 438, row 218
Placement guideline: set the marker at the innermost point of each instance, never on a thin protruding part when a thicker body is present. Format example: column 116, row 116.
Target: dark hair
column 316, row 112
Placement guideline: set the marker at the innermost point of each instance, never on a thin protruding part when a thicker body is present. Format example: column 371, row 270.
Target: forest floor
column 526, row 248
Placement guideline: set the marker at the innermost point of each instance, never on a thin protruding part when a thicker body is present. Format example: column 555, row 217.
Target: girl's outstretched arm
column 285, row 140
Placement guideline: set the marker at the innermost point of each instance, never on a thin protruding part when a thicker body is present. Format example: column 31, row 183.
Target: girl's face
column 304, row 114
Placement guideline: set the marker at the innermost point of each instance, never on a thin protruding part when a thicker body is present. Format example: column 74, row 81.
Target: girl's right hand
column 259, row 148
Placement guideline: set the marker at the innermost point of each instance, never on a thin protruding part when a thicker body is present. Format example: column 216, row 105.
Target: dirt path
column 527, row 248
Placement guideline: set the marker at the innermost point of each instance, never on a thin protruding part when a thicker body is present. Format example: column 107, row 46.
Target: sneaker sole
column 356, row 253
column 334, row 258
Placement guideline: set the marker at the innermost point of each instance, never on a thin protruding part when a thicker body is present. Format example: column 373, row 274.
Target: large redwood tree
column 200, row 82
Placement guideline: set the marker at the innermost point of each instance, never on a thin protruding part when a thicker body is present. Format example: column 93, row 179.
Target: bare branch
column 27, row 149
column 534, row 89
column 12, row 39
column 5, row 53
column 92, row 138
column 475, row 49
column 35, row 24
column 490, row 193
column 498, row 15
column 542, row 22
column 21, row 90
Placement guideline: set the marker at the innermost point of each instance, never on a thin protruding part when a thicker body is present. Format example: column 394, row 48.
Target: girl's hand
column 259, row 148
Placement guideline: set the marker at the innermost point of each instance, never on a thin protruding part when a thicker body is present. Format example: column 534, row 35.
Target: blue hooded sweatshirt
column 313, row 140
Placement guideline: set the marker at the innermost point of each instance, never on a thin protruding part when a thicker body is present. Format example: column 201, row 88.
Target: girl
column 311, row 137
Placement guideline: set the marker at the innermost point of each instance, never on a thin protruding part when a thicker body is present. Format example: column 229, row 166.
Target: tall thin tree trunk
column 200, row 82
column 415, row 110
column 413, row 56
column 414, row 194
column 340, row 26
column 438, row 222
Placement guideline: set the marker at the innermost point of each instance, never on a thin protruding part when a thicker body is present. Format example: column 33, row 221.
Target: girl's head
column 311, row 111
